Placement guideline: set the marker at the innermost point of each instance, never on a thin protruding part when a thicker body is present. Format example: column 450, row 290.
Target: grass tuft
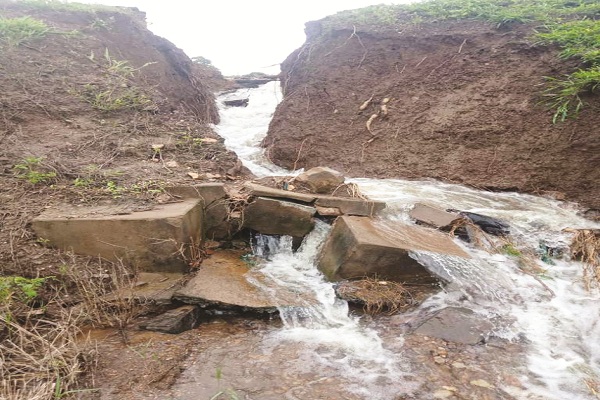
column 17, row 31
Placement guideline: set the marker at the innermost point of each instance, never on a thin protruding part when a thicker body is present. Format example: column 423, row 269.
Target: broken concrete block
column 456, row 324
column 321, row 179
column 277, row 217
column 175, row 321
column 351, row 206
column 359, row 247
column 222, row 282
column 433, row 216
column 150, row 240
column 265, row 191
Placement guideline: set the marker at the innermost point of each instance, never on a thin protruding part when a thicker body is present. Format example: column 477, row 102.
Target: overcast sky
column 238, row 36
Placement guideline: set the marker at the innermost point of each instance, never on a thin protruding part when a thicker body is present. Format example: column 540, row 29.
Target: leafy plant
column 16, row 31
column 19, row 288
column 30, row 170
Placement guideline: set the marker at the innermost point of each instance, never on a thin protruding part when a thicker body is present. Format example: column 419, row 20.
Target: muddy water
column 546, row 327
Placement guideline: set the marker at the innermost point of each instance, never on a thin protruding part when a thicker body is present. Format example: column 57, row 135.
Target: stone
column 433, row 216
column 490, row 225
column 149, row 240
column 482, row 383
column 351, row 206
column 321, row 179
column 456, row 324
column 236, row 103
column 360, row 247
column 347, row 206
column 328, row 211
column 265, row 191
column 222, row 281
column 278, row 217
column 157, row 288
column 175, row 321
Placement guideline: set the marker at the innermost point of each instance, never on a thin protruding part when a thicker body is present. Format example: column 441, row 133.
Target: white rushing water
column 558, row 318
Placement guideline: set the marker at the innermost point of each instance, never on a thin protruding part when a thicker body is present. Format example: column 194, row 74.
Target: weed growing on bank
column 570, row 24
column 17, row 31
column 32, row 170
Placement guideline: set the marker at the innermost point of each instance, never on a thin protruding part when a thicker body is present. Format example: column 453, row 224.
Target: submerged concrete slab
column 223, row 281
column 278, row 217
column 149, row 240
column 456, row 324
column 359, row 247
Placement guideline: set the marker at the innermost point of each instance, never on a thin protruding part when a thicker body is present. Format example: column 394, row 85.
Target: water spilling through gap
column 549, row 320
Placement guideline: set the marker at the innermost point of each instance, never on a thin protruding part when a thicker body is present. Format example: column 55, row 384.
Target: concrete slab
column 278, row 217
column 345, row 205
column 223, row 282
column 433, row 216
column 265, row 191
column 321, row 179
column 360, row 247
column 149, row 240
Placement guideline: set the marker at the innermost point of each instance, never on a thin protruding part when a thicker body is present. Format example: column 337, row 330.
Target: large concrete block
column 216, row 222
column 359, row 247
column 149, row 240
column 277, row 217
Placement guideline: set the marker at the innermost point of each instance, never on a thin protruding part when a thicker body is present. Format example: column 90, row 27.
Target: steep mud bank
column 463, row 107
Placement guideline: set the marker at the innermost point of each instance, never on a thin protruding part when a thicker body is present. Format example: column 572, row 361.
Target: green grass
column 17, row 31
column 577, row 39
column 32, row 170
column 59, row 5
column 573, row 25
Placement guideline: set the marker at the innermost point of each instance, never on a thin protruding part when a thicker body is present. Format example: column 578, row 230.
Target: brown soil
column 464, row 107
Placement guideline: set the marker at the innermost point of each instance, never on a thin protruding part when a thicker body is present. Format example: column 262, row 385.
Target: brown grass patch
column 585, row 247
column 377, row 296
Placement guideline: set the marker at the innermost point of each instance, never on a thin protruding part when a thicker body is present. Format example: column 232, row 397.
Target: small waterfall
column 331, row 337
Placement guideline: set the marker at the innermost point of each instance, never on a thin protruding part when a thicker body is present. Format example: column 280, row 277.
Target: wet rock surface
column 278, row 217
column 358, row 247
column 174, row 321
column 456, row 324
column 321, row 179
column 223, row 282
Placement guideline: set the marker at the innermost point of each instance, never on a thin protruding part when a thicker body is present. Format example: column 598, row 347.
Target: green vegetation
column 578, row 39
column 18, row 288
column 59, row 5
column 32, row 171
column 17, row 31
column 573, row 25
column 117, row 91
column 510, row 250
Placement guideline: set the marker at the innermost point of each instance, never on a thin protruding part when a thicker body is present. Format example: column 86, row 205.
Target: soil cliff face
column 460, row 103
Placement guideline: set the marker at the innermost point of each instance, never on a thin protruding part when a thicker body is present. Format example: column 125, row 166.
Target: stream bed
column 543, row 344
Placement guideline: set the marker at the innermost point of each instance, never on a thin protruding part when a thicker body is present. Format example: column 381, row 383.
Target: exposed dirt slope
column 81, row 107
column 463, row 108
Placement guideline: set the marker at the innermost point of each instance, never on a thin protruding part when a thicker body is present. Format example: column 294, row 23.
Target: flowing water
column 324, row 352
